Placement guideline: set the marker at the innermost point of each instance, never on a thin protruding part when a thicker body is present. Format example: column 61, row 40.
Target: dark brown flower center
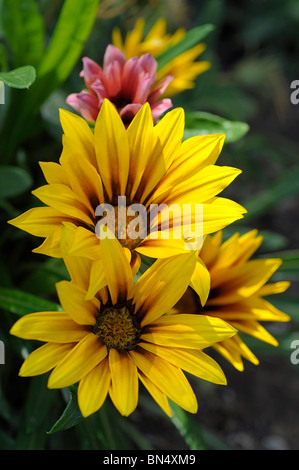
column 117, row 328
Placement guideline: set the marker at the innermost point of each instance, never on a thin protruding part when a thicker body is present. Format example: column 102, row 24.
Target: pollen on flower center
column 117, row 328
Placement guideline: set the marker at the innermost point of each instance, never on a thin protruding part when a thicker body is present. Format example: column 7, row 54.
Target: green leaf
column 37, row 414
column 22, row 77
column 21, row 303
column 24, row 31
column 71, row 32
column 202, row 123
column 286, row 186
column 290, row 260
column 187, row 427
column 70, row 417
column 3, row 58
column 192, row 37
column 13, row 181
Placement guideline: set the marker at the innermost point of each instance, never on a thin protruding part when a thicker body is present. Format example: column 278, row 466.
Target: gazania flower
column 128, row 84
column 184, row 68
column 238, row 287
column 121, row 336
column 143, row 164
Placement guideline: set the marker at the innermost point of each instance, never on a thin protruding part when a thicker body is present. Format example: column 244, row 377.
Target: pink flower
column 128, row 84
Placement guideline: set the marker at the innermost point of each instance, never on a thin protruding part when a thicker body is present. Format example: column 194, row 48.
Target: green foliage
column 202, row 123
column 24, row 31
column 22, row 303
column 22, row 77
column 13, row 181
column 192, row 37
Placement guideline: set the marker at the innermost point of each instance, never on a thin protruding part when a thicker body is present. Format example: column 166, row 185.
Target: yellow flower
column 238, row 287
column 183, row 68
column 121, row 335
column 145, row 164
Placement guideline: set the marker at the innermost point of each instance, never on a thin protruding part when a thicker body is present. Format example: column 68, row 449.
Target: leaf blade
column 21, row 77
column 192, row 37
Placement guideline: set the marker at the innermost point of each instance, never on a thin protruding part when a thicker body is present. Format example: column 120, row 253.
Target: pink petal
column 149, row 64
column 129, row 112
column 91, row 71
column 160, row 88
column 143, row 89
column 113, row 54
column 160, row 107
column 131, row 75
column 89, row 107
column 113, row 78
column 100, row 90
column 72, row 100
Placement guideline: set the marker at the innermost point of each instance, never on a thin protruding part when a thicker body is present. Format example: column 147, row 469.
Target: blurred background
column 254, row 52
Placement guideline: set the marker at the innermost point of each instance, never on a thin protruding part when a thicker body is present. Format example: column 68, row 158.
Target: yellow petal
column 44, row 358
column 167, row 377
column 51, row 245
column 194, row 154
column 156, row 393
column 200, row 281
column 117, row 39
column 97, row 280
column 112, row 150
column 81, row 359
column 243, row 281
column 39, row 221
column 188, row 331
column 63, row 199
column 84, row 243
column 274, row 288
column 54, row 327
column 255, row 329
column 168, row 134
column 124, row 382
column 78, row 266
column 72, row 299
column 133, row 39
column 93, row 388
column 193, row 361
column 253, row 308
column 54, row 173
column 161, row 286
column 141, row 139
column 158, row 248
column 78, row 135
column 202, row 186
column 158, row 30
column 84, row 179
column 116, row 267
column 233, row 350
column 220, row 212
column 236, row 346
column 210, row 249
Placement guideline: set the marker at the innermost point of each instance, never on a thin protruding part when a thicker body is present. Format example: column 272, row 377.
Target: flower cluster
column 148, row 293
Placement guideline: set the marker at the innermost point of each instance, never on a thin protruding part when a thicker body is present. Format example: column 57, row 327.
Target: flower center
column 117, row 328
column 130, row 230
